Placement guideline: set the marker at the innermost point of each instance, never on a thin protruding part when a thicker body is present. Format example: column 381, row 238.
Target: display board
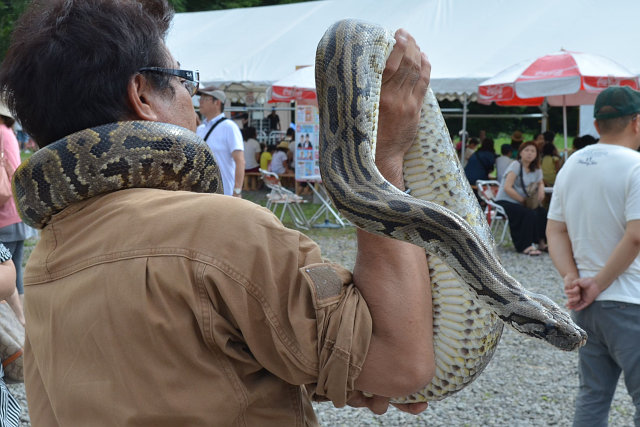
column 306, row 153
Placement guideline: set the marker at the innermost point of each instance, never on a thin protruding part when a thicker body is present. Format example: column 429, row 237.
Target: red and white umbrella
column 563, row 78
column 297, row 86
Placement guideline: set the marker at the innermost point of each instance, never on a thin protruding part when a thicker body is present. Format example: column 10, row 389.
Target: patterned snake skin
column 109, row 158
column 471, row 290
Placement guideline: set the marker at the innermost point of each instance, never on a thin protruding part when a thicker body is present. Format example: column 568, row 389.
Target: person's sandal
column 532, row 251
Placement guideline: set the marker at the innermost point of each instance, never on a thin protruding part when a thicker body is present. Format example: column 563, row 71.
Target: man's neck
column 212, row 116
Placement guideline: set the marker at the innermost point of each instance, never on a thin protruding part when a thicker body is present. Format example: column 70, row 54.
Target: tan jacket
column 156, row 308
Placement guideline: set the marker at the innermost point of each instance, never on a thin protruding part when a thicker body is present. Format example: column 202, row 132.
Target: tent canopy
column 466, row 41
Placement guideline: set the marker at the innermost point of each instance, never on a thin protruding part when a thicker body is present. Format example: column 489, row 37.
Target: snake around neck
column 112, row 157
column 472, row 293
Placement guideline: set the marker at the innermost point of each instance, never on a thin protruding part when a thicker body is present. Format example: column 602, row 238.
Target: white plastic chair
column 280, row 196
column 495, row 213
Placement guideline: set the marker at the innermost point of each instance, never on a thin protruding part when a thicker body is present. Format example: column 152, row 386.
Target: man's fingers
column 425, row 72
column 377, row 404
column 412, row 408
column 395, row 58
column 403, row 65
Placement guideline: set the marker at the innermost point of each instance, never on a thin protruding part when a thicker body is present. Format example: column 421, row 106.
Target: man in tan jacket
column 151, row 307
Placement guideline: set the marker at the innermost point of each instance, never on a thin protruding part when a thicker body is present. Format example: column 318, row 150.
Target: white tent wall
column 467, row 41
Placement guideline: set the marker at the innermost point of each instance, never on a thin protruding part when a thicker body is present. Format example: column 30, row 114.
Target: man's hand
column 581, row 292
column 404, row 83
column 379, row 405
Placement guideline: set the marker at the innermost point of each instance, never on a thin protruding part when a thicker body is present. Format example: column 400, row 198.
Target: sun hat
column 283, row 144
column 212, row 91
column 617, row 101
column 516, row 136
column 4, row 110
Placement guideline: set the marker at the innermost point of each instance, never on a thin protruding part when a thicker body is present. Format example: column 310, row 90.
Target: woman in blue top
column 527, row 225
column 481, row 162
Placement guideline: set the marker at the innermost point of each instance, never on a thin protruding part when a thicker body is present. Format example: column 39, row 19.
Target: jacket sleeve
column 299, row 317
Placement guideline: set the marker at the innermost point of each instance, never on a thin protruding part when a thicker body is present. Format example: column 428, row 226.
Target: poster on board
column 306, row 147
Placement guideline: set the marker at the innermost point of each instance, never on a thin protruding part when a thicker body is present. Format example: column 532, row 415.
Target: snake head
column 550, row 323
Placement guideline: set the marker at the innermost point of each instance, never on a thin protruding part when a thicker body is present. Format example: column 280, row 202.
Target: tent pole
column 545, row 116
column 564, row 125
column 465, row 103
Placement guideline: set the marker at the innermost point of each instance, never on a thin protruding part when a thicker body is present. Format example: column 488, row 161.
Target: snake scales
column 472, row 293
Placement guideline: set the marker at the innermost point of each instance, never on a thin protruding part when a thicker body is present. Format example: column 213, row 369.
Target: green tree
column 10, row 10
column 199, row 5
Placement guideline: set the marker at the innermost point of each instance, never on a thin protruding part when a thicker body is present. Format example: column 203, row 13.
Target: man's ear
column 140, row 95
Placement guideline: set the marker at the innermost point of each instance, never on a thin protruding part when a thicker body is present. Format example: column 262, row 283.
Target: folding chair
column 280, row 196
column 487, row 191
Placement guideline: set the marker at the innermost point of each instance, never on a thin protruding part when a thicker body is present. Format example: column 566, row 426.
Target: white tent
column 467, row 41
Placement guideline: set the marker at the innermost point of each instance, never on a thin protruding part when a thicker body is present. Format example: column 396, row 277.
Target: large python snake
column 111, row 157
column 472, row 293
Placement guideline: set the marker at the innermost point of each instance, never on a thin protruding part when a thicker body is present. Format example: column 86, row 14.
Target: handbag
column 5, row 176
column 531, row 201
column 11, row 345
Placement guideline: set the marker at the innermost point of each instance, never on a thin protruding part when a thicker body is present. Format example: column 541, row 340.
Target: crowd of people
column 191, row 308
column 524, row 170
column 184, row 308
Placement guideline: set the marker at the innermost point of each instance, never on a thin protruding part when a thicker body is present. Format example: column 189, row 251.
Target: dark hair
column 487, row 145
column 70, row 61
column 549, row 149
column 535, row 164
column 473, row 141
column 250, row 132
column 506, row 149
column 8, row 121
column 291, row 133
column 578, row 143
column 588, row 140
column 549, row 136
column 614, row 125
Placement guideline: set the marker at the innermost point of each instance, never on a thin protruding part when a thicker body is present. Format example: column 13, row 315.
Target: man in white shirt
column 593, row 232
column 224, row 138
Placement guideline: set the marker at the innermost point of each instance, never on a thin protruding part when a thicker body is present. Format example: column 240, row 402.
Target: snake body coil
column 470, row 288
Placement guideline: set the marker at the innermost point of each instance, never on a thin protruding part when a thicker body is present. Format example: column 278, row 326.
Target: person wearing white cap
column 224, row 138
column 153, row 302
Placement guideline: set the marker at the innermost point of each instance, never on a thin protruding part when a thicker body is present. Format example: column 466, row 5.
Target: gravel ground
column 528, row 382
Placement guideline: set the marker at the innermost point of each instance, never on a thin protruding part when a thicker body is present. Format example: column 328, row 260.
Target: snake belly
column 472, row 293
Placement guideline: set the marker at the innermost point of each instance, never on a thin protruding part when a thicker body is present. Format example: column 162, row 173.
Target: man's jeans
column 613, row 347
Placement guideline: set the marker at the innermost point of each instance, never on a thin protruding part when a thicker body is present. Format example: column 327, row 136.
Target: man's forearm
column 239, row 175
column 622, row 256
column 393, row 277
column 394, row 281
column 560, row 249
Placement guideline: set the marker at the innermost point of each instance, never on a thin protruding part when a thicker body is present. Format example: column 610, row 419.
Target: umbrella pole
column 544, row 108
column 564, row 125
column 465, row 103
